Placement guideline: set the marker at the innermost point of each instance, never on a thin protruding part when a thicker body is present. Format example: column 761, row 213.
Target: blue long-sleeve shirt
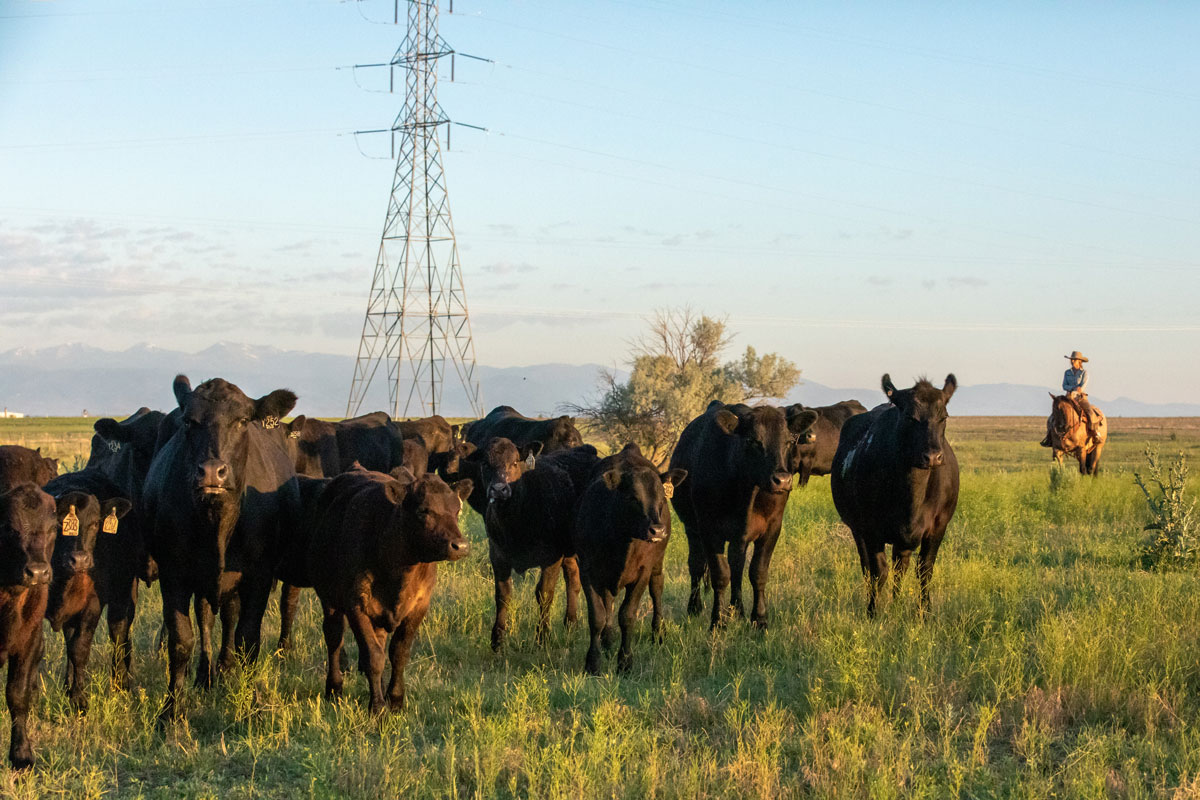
column 1075, row 380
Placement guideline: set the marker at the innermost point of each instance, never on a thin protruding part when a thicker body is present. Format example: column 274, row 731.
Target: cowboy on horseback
column 1075, row 381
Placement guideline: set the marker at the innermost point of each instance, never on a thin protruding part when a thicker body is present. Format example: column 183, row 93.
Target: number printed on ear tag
column 110, row 522
column 70, row 523
column 270, row 422
column 668, row 490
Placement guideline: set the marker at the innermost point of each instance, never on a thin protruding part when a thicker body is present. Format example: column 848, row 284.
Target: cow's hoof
column 624, row 663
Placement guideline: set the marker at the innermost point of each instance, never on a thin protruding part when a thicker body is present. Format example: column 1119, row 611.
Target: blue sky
column 903, row 187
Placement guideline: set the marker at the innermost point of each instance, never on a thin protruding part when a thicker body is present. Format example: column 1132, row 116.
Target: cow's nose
column 656, row 531
column 781, row 481
column 212, row 473
column 934, row 459
column 499, row 491
column 80, row 562
column 37, row 574
column 459, row 548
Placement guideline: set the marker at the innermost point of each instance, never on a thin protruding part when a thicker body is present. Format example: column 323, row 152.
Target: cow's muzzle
column 211, row 477
column 37, row 574
column 781, row 482
column 933, row 459
column 499, row 492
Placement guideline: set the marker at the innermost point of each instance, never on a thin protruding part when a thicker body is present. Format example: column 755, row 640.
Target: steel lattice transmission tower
column 417, row 309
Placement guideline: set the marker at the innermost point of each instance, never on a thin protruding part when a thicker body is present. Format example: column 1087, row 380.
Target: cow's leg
column 180, row 639
column 697, row 568
column 656, row 587
column 760, row 568
column 333, row 625
column 544, row 593
column 370, row 656
column 502, row 574
column 572, row 586
column 206, row 669
column 70, row 630
column 255, row 594
column 737, row 565
column 22, row 671
column 900, row 559
column 597, row 622
column 718, row 573
column 929, row 550
column 230, row 608
column 401, row 646
column 864, row 560
column 877, row 566
column 119, row 614
column 628, row 616
column 79, row 648
column 289, row 600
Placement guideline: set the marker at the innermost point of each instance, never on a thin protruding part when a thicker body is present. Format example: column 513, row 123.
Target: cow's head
column 639, row 501
column 423, row 526
column 923, row 418
column 215, row 424
column 136, row 436
column 449, row 464
column 501, row 464
column 563, row 435
column 27, row 527
column 768, row 438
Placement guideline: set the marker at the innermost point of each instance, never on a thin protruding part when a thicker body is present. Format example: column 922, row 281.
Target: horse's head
column 1066, row 421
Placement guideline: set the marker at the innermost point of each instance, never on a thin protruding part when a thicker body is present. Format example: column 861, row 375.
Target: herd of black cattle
column 221, row 499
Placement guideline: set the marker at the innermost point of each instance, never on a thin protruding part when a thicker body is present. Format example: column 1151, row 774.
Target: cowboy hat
column 1075, row 354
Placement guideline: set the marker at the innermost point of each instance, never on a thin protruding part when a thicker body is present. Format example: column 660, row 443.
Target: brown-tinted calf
column 621, row 531
column 27, row 526
column 77, row 593
column 373, row 561
column 22, row 465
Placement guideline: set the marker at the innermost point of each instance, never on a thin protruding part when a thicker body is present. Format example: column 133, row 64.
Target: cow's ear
column 949, row 387
column 727, row 420
column 631, row 447
column 1052, row 397
column 396, row 490
column 183, row 390
column 532, row 449
column 356, row 466
column 567, row 419
column 889, row 388
column 63, row 504
column 463, row 488
column 115, row 505
column 276, row 404
column 110, row 429
column 674, row 477
column 801, row 421
column 297, row 425
column 612, row 479
column 465, row 449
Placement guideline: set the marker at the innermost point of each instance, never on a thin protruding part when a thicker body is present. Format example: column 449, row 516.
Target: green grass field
column 1050, row 666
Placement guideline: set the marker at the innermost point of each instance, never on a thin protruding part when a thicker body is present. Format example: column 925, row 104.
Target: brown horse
column 1069, row 434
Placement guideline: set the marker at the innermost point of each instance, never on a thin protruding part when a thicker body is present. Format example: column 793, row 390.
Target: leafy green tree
column 675, row 373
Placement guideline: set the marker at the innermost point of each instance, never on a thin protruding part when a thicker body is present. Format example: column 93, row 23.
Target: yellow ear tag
column 270, row 422
column 529, row 462
column 668, row 490
column 110, row 522
column 70, row 523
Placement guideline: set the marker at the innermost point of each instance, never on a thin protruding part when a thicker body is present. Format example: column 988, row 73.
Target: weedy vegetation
column 1052, row 664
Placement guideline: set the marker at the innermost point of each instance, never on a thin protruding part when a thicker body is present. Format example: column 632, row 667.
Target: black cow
column 620, row 533
column 22, row 465
column 123, row 450
column 373, row 440
column 218, row 494
column 506, row 422
column 528, row 520
column 895, row 481
column 739, row 464
column 816, row 457
column 311, row 444
column 80, row 587
column 373, row 560
column 27, row 527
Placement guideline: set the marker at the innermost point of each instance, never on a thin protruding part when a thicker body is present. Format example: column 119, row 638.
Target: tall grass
column 1050, row 665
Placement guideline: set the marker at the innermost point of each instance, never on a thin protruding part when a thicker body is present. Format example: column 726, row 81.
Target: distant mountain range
column 68, row 379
